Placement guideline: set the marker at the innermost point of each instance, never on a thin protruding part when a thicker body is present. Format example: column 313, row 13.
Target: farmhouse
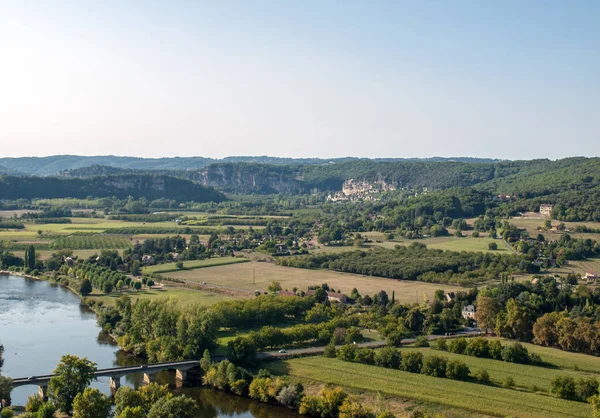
column 450, row 296
column 147, row 260
column 546, row 210
column 332, row 296
column 590, row 276
column 468, row 312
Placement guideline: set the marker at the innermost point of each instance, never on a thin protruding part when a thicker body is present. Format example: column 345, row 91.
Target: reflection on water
column 40, row 321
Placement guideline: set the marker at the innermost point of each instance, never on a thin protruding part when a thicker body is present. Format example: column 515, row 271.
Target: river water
column 39, row 322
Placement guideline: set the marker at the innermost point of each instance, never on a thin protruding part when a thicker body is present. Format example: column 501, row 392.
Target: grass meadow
column 468, row 396
column 193, row 264
column 240, row 276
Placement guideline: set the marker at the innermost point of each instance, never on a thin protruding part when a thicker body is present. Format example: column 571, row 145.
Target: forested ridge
column 147, row 186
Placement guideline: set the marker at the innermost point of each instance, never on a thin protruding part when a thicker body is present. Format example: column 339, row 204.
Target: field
column 194, row 264
column 526, row 377
column 240, row 276
column 183, row 295
column 472, row 397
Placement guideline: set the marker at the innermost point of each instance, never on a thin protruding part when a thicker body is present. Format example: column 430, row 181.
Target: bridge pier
column 149, row 378
column 43, row 392
column 115, row 384
column 180, row 377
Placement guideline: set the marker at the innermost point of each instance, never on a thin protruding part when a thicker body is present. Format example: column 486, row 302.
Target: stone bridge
column 181, row 368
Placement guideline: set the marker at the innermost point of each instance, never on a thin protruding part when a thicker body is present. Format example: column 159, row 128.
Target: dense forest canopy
column 121, row 186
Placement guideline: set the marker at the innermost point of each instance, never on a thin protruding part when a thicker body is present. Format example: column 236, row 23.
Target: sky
column 327, row 78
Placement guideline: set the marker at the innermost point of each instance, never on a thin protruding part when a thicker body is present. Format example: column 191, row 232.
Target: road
column 372, row 344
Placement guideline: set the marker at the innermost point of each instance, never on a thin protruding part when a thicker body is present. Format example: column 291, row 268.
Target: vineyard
column 91, row 242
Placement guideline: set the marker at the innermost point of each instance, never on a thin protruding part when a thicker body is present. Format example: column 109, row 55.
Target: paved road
column 372, row 344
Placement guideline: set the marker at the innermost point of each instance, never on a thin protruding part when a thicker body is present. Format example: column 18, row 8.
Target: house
column 450, row 296
column 147, row 260
column 175, row 256
column 535, row 281
column 590, row 276
column 546, row 210
column 468, row 312
column 281, row 248
column 337, row 297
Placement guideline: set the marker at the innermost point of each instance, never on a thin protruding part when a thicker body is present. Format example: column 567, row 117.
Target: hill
column 53, row 165
column 122, row 186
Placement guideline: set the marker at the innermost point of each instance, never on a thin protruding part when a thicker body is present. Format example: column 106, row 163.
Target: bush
column 515, row 353
column 388, row 357
column 440, row 344
column 347, row 352
column 586, row 388
column 482, row 376
column 457, row 345
column 564, row 387
column 330, row 350
column 364, row 356
column 478, row 347
column 456, row 369
column 495, row 350
column 421, row 341
column 508, row 382
column 434, row 366
column 412, row 361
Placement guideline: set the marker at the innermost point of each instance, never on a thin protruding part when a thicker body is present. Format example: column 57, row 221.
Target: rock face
column 250, row 178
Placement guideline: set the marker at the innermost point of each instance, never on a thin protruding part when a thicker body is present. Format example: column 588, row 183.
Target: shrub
column 457, row 345
column 330, row 350
column 388, row 357
column 347, row 352
column 365, row 356
column 421, row 341
column 586, row 388
column 478, row 347
column 434, row 366
column 482, row 376
column 495, row 350
column 440, row 344
column 564, row 387
column 515, row 353
column 508, row 382
column 412, row 361
column 456, row 369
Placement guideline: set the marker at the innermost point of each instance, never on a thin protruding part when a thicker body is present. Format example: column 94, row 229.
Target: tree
column 274, row 287
column 30, row 257
column 129, row 412
column 492, row 246
column 71, row 376
column 563, row 387
column 487, row 310
column 91, row 404
column 176, row 407
column 179, row 265
column 354, row 408
column 6, row 386
column 137, row 286
column 595, row 402
column 120, row 285
column 107, row 287
column 150, row 283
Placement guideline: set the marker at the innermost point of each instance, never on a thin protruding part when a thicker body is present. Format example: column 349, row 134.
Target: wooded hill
column 121, row 186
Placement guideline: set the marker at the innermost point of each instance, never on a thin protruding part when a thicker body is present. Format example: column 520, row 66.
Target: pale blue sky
column 506, row 79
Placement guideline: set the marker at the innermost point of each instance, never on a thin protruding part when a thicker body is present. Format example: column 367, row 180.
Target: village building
column 590, row 276
column 546, row 210
column 468, row 312
column 147, row 259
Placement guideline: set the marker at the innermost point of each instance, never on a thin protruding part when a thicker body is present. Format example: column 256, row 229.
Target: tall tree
column 72, row 375
column 30, row 257
column 487, row 310
column 91, row 403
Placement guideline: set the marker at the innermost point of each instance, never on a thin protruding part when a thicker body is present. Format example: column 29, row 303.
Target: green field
column 183, row 295
column 194, row 264
column 472, row 397
column 526, row 377
column 469, row 244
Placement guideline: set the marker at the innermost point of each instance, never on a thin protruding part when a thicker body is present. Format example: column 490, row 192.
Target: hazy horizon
column 385, row 79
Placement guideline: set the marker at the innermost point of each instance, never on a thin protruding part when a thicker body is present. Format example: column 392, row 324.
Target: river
column 40, row 321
